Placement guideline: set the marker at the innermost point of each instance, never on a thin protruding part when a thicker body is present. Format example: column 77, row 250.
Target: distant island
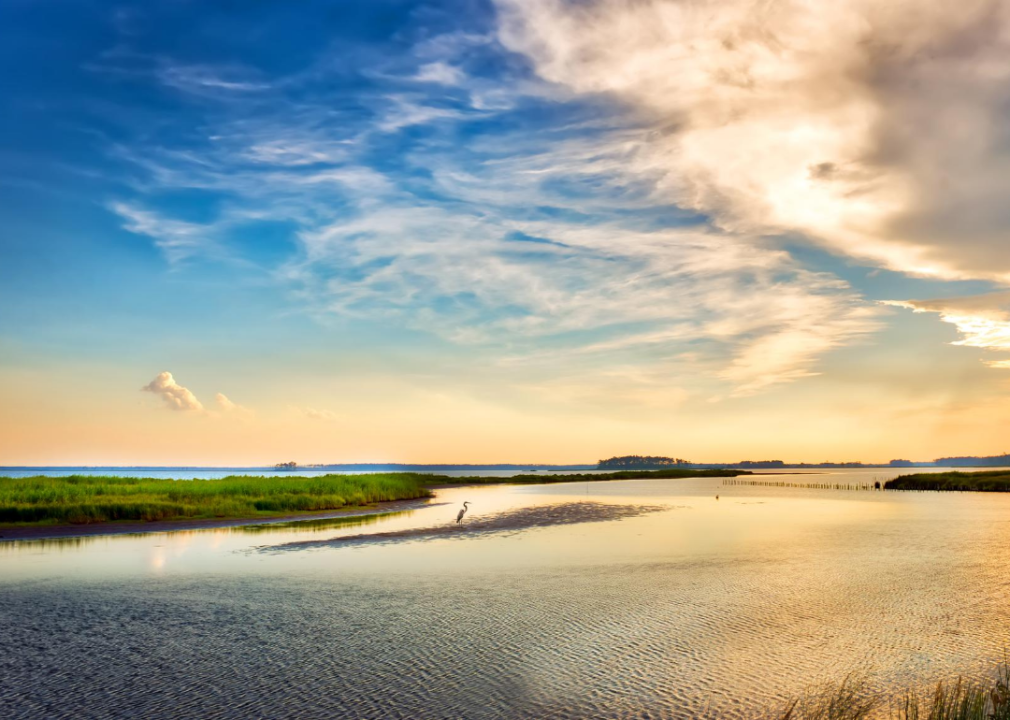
column 292, row 465
column 646, row 462
column 641, row 462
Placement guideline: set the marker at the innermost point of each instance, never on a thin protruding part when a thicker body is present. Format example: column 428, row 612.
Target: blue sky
column 501, row 214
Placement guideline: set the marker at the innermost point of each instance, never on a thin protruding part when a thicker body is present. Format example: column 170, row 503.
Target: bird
column 459, row 518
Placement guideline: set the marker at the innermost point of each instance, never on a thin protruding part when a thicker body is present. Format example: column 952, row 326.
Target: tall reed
column 961, row 699
column 91, row 499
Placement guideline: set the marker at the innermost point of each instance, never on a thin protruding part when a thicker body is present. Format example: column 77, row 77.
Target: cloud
column 789, row 352
column 175, row 395
column 874, row 128
column 181, row 398
column 208, row 81
column 228, row 407
column 294, row 151
column 439, row 73
column 175, row 238
column 425, row 240
column 462, row 277
column 403, row 112
column 983, row 321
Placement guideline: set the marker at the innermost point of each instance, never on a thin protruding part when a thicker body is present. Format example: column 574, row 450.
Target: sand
column 503, row 522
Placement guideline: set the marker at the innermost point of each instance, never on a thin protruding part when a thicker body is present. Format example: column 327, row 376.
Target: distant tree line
column 974, row 461
column 641, row 461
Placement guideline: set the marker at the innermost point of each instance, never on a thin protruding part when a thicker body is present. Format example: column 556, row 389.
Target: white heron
column 459, row 518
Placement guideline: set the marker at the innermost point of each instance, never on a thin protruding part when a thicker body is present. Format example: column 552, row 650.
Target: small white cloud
column 296, row 152
column 177, row 396
column 439, row 72
column 229, row 407
column 203, row 80
column 403, row 112
column 176, row 238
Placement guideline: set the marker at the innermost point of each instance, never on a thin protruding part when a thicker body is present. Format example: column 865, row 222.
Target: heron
column 459, row 518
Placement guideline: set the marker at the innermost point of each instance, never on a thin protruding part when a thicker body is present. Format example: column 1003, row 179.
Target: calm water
column 664, row 602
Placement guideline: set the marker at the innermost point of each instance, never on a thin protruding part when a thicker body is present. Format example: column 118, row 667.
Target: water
column 651, row 599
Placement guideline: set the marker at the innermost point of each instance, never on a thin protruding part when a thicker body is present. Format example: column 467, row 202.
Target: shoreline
column 51, row 532
column 129, row 527
column 97, row 505
column 14, row 533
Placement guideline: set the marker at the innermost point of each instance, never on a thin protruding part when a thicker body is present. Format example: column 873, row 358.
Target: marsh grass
column 959, row 699
column 962, row 700
column 989, row 481
column 849, row 700
column 79, row 499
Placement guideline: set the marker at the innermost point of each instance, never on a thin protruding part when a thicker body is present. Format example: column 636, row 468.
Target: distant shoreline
column 96, row 505
column 513, row 467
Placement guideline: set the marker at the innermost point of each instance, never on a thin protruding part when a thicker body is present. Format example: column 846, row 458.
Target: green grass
column 962, row 700
column 81, row 499
column 986, row 699
column 93, row 499
column 988, row 481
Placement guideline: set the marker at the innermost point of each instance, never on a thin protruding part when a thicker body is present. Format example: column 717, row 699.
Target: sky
column 482, row 231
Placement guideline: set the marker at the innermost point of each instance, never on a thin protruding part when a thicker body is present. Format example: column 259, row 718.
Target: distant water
column 701, row 608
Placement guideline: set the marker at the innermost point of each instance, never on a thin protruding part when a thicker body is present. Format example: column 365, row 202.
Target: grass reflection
column 316, row 524
column 75, row 542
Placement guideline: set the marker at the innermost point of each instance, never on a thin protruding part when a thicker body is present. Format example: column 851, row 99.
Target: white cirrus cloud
column 474, row 282
column 459, row 247
column 440, row 73
column 208, row 81
column 176, row 238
